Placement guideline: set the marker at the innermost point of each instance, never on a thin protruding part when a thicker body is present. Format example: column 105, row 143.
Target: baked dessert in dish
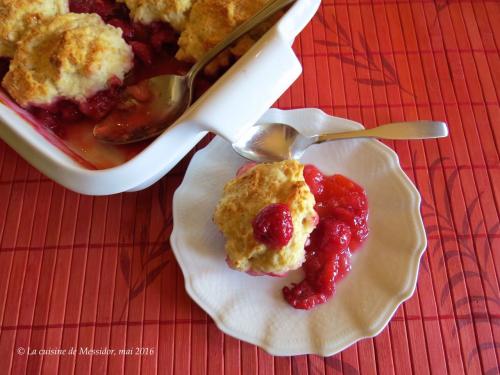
column 73, row 70
column 278, row 217
column 71, row 57
column 210, row 21
column 173, row 12
column 19, row 16
column 266, row 215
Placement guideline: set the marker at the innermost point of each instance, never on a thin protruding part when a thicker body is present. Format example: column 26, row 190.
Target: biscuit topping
column 148, row 11
column 267, row 207
column 19, row 16
column 210, row 21
column 72, row 56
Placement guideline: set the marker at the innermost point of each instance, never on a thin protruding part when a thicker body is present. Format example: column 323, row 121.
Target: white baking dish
column 234, row 102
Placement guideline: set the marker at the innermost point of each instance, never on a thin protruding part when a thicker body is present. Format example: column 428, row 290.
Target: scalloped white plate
column 384, row 272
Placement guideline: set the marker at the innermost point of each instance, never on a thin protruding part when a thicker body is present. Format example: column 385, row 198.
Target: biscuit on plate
column 245, row 196
column 19, row 16
column 72, row 56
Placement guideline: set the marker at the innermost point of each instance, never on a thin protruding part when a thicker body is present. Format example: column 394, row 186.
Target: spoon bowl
column 269, row 142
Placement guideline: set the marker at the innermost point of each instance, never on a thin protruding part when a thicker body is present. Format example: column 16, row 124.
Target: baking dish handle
column 297, row 17
column 240, row 97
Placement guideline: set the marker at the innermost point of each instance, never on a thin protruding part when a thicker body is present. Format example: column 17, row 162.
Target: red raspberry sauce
column 342, row 207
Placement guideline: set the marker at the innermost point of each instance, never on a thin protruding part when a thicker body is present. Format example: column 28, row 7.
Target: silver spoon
column 276, row 142
column 170, row 95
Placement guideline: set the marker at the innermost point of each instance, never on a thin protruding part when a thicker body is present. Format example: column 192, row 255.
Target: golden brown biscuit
column 19, row 16
column 209, row 22
column 245, row 196
column 170, row 11
column 72, row 56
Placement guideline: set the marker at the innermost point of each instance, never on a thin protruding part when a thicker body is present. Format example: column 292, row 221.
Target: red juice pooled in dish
column 342, row 207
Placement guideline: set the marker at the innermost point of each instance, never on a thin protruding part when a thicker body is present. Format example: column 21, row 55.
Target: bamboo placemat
column 82, row 272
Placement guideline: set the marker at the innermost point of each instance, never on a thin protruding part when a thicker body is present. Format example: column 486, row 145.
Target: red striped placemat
column 82, row 276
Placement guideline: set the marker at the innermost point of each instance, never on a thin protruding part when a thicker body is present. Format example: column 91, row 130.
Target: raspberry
column 162, row 34
column 314, row 179
column 99, row 105
column 104, row 8
column 127, row 29
column 142, row 51
column 4, row 66
column 273, row 226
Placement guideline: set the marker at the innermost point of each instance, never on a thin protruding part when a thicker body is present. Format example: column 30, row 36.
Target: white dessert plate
column 384, row 271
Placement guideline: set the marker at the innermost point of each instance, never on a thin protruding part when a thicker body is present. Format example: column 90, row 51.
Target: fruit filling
column 147, row 42
column 273, row 226
column 63, row 111
column 4, row 66
column 342, row 207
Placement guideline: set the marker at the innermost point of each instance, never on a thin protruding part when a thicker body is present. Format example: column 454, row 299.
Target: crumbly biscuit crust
column 210, row 21
column 171, row 11
column 72, row 56
column 242, row 200
column 19, row 16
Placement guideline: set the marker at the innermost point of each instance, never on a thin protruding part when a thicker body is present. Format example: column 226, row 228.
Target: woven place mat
column 82, row 272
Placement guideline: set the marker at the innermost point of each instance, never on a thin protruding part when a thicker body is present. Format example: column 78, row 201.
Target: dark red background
column 78, row 271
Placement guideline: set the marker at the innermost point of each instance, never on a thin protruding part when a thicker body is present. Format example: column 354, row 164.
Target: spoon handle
column 398, row 130
column 269, row 10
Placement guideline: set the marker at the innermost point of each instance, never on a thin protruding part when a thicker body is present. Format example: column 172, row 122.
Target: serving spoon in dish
column 270, row 142
column 166, row 97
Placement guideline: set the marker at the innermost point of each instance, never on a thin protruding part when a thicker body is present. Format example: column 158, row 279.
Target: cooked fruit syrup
column 342, row 207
